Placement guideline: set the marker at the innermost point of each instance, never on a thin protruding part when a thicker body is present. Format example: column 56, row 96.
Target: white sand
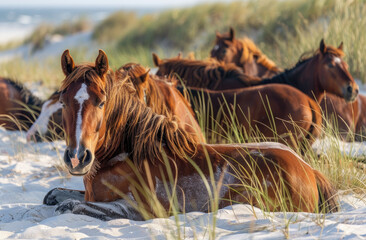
column 28, row 172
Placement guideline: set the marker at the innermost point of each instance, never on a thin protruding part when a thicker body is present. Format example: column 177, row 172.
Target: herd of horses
column 134, row 136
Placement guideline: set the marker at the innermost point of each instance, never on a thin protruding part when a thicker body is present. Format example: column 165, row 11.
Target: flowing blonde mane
column 131, row 126
column 203, row 74
column 155, row 98
column 250, row 51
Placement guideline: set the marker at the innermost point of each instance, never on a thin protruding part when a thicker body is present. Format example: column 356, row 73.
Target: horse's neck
column 307, row 79
column 302, row 77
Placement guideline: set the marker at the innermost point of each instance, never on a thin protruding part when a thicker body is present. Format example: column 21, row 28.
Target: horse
column 20, row 107
column 118, row 144
column 153, row 90
column 162, row 96
column 271, row 112
column 313, row 82
column 244, row 54
column 204, row 74
column 349, row 119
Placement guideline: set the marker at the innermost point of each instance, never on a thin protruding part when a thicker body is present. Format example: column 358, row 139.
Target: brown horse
column 243, row 53
column 20, row 107
column 324, row 71
column 204, row 74
column 155, row 92
column 105, row 121
column 274, row 112
column 161, row 96
column 349, row 119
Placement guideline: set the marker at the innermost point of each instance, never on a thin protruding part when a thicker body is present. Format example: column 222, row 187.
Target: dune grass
column 284, row 32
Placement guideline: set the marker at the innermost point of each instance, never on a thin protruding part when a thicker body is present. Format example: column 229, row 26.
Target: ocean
column 17, row 23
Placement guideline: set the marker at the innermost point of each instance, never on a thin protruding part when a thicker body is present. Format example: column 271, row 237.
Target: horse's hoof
column 50, row 198
column 59, row 195
column 67, row 206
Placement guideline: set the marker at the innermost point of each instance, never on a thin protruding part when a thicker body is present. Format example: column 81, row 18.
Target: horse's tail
column 328, row 200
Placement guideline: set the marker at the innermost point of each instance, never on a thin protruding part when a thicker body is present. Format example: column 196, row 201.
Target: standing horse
column 204, row 74
column 243, row 53
column 161, row 96
column 20, row 107
column 103, row 119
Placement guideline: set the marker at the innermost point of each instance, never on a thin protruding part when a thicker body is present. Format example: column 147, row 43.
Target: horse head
column 138, row 75
column 225, row 48
column 333, row 72
column 83, row 97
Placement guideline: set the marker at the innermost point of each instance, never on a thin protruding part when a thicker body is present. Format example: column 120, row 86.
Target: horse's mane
column 132, row 126
column 155, row 97
column 204, row 74
column 27, row 97
column 305, row 57
column 251, row 51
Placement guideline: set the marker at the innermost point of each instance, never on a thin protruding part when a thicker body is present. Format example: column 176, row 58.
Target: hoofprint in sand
column 29, row 170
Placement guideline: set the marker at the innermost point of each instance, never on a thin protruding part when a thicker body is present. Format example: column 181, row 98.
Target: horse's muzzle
column 350, row 93
column 78, row 162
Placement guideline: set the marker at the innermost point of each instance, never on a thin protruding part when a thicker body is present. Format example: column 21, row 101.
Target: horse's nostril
column 349, row 89
column 356, row 91
column 70, row 153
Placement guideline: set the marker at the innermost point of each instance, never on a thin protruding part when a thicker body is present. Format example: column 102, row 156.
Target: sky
column 102, row 3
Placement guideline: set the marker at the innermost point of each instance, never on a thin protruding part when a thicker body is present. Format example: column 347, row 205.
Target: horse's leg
column 101, row 210
column 58, row 195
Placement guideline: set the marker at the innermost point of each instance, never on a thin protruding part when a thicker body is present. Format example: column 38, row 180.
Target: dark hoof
column 67, row 206
column 50, row 198
column 59, row 195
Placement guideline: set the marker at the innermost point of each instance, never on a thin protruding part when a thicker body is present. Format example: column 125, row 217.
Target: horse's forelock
column 87, row 72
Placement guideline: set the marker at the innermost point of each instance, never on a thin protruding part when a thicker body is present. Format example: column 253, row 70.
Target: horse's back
column 9, row 96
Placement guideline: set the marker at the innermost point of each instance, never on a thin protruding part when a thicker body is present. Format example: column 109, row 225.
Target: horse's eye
column 101, row 105
column 331, row 65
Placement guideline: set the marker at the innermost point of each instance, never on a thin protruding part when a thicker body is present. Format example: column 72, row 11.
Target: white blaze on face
column 337, row 60
column 216, row 47
column 81, row 96
column 41, row 124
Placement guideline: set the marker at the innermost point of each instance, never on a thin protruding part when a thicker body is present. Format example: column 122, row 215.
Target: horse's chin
column 350, row 98
column 79, row 174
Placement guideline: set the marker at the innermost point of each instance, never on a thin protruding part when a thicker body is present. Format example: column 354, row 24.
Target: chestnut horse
column 204, row 74
column 243, row 53
column 162, row 96
column 104, row 119
column 20, row 107
column 347, row 116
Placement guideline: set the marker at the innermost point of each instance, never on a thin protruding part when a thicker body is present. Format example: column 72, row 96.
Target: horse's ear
column 191, row 56
column 145, row 76
column 218, row 35
column 67, row 63
column 323, row 47
column 179, row 55
column 232, row 34
column 340, row 47
column 157, row 61
column 101, row 63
